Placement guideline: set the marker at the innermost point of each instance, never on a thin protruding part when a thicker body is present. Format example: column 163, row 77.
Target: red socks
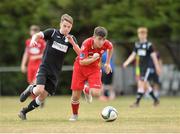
column 75, row 107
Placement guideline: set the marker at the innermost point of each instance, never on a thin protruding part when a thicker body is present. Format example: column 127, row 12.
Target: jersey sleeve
column 135, row 48
column 43, row 45
column 75, row 40
column 84, row 50
column 26, row 45
column 108, row 45
column 48, row 33
column 27, row 42
column 151, row 49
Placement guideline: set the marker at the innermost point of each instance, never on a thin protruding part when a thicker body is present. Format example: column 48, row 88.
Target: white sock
column 150, row 89
column 38, row 101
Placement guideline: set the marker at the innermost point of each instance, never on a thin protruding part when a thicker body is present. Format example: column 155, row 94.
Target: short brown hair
column 67, row 18
column 142, row 29
column 100, row 31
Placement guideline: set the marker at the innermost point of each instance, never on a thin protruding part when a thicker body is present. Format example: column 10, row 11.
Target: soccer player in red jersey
column 87, row 68
column 32, row 56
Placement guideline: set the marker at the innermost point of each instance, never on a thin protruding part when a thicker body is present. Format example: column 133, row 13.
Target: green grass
column 54, row 117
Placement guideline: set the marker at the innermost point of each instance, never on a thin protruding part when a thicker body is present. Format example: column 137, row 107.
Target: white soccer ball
column 109, row 113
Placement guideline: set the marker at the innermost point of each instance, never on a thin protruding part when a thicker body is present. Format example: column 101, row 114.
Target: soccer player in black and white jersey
column 144, row 50
column 58, row 42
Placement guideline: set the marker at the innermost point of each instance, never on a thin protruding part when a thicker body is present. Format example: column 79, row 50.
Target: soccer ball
column 109, row 113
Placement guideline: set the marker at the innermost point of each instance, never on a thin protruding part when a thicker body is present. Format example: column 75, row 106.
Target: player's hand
column 108, row 68
column 70, row 39
column 23, row 69
column 96, row 56
column 158, row 71
column 123, row 65
column 33, row 43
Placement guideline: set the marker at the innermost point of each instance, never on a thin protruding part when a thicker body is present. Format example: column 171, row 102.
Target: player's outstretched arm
column 75, row 46
column 129, row 60
column 156, row 63
column 107, row 65
column 24, row 61
column 35, row 37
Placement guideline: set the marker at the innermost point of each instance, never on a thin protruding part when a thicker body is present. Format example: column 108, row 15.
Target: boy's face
column 33, row 31
column 142, row 35
column 98, row 41
column 65, row 27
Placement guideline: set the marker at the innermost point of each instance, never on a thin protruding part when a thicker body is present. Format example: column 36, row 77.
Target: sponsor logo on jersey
column 60, row 47
column 144, row 46
column 34, row 50
column 141, row 52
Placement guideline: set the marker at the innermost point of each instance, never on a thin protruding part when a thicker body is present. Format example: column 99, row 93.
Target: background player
column 58, row 43
column 87, row 68
column 145, row 51
column 32, row 56
column 107, row 80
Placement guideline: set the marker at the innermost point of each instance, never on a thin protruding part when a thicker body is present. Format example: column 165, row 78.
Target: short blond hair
column 142, row 29
column 35, row 28
column 67, row 18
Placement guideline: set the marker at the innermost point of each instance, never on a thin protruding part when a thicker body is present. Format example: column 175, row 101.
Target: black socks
column 31, row 106
column 138, row 98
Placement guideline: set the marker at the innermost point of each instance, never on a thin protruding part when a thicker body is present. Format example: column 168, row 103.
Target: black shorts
column 144, row 74
column 50, row 81
column 107, row 78
column 153, row 77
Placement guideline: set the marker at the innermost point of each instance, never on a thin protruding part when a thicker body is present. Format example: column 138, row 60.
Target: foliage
column 120, row 17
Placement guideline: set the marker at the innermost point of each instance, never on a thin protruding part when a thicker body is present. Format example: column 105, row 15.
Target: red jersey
column 35, row 50
column 87, row 50
column 90, row 73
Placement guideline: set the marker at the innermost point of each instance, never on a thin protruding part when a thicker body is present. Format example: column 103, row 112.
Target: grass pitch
column 54, row 116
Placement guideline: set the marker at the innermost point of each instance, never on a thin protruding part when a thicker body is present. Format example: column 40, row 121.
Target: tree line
column 120, row 17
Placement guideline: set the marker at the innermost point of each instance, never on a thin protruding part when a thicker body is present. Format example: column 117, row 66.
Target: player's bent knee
column 39, row 89
column 42, row 97
column 76, row 95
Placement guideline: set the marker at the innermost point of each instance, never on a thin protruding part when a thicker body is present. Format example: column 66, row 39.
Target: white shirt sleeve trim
column 53, row 33
column 42, row 34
